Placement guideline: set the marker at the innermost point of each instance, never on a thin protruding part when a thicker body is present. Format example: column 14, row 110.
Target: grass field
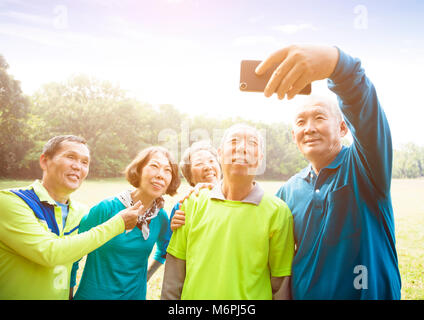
column 408, row 203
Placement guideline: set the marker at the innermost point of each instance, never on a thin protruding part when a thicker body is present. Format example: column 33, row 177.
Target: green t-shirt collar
column 254, row 197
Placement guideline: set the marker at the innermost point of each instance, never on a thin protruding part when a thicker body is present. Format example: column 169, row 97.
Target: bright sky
column 187, row 52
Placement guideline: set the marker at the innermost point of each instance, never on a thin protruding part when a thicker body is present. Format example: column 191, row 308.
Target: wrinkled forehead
column 318, row 107
column 73, row 147
column 244, row 132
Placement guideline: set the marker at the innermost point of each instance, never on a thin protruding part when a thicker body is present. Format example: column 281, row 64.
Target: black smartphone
column 251, row 82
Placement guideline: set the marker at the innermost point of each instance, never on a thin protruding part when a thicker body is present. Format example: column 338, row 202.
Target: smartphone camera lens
column 243, row 86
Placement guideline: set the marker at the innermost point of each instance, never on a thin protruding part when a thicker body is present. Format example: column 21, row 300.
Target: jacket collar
column 43, row 194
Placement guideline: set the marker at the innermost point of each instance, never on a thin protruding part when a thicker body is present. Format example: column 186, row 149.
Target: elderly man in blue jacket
column 341, row 203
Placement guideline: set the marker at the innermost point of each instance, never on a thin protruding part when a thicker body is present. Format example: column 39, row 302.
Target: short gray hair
column 323, row 101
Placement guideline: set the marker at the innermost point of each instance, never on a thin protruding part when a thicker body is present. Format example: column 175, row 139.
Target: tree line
column 117, row 127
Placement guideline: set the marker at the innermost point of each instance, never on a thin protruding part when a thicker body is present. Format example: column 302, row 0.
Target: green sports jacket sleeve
column 23, row 233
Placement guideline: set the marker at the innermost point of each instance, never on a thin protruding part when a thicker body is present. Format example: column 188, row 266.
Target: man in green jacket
column 39, row 223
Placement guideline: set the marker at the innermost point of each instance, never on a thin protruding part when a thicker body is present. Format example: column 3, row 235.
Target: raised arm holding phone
column 341, row 202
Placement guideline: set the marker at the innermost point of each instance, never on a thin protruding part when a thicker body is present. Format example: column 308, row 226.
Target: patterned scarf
column 144, row 219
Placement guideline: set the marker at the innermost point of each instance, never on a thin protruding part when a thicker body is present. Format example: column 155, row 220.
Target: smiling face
column 241, row 151
column 64, row 171
column 156, row 175
column 318, row 131
column 204, row 167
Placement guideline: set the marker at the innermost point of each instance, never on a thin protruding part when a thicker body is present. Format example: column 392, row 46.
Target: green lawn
column 408, row 203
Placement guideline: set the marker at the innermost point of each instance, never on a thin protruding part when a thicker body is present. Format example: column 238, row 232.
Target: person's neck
column 139, row 195
column 237, row 189
column 323, row 161
column 55, row 193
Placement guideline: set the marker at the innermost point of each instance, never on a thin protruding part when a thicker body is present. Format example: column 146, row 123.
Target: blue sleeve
column 96, row 216
column 279, row 193
column 175, row 208
column 90, row 220
column 163, row 238
column 357, row 97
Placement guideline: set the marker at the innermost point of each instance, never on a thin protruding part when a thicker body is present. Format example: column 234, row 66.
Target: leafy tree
column 115, row 126
column 408, row 161
column 118, row 127
column 282, row 156
column 13, row 113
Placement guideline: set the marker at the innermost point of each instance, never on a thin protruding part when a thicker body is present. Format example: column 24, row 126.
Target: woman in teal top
column 118, row 269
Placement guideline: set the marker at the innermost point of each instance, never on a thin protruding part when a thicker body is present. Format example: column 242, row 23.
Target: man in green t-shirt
column 237, row 242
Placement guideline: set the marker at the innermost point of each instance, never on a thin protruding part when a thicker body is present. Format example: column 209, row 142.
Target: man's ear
column 43, row 162
column 343, row 129
column 292, row 132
